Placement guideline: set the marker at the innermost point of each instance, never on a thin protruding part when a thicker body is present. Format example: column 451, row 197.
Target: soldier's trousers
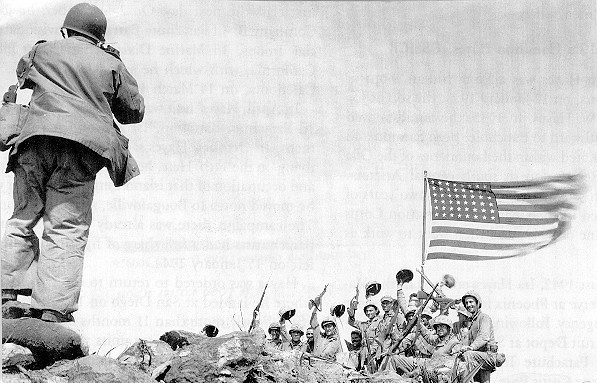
column 53, row 179
column 402, row 364
column 473, row 358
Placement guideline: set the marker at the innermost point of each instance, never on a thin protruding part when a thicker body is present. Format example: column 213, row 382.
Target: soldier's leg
column 67, row 219
column 474, row 358
column 20, row 245
column 402, row 364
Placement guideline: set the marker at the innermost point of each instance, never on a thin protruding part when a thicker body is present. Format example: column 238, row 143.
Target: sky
column 287, row 142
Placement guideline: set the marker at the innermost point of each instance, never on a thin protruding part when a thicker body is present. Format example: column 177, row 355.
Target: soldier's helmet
column 328, row 320
column 88, row 20
column 273, row 326
column 442, row 319
column 372, row 288
column 286, row 313
column 370, row 304
column 211, row 330
column 296, row 328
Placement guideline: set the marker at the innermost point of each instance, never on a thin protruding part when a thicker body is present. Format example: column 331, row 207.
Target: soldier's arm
column 400, row 297
column 429, row 336
column 284, row 331
column 128, row 106
column 315, row 325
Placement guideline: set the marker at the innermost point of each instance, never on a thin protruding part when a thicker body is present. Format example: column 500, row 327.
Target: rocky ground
column 179, row 356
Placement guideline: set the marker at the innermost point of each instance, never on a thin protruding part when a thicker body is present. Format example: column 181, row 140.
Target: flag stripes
column 497, row 220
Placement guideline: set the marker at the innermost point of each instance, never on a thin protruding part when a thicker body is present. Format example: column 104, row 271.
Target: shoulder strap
column 24, row 71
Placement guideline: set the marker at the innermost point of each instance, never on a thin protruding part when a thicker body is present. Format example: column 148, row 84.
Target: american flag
column 495, row 220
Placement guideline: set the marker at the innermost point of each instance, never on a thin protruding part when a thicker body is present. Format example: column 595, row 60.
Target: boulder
column 47, row 341
column 14, row 355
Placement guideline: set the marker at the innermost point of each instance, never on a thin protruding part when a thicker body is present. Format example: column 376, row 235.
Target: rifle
column 413, row 321
column 408, row 328
column 444, row 302
column 257, row 308
column 316, row 302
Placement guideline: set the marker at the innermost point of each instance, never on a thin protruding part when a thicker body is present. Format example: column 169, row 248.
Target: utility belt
column 490, row 347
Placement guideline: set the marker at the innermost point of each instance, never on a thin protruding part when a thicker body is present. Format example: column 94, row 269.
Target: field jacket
column 77, row 90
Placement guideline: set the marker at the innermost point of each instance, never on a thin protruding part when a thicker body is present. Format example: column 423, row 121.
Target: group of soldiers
column 404, row 336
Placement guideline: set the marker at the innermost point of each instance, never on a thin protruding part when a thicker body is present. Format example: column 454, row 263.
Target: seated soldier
column 442, row 341
column 415, row 344
column 460, row 328
column 479, row 346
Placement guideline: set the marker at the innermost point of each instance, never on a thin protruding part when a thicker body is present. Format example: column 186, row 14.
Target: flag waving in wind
column 495, row 220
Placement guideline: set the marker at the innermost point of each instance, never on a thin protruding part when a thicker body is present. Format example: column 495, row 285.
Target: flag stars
column 447, row 200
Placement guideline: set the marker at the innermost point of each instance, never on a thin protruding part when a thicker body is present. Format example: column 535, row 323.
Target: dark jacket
column 77, row 90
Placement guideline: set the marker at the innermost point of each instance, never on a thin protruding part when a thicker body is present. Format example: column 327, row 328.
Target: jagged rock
column 238, row 357
column 14, row 355
column 227, row 358
column 147, row 355
column 47, row 341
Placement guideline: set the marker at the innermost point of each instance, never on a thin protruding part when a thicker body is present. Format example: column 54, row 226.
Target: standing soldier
column 275, row 341
column 295, row 342
column 368, row 328
column 78, row 85
column 326, row 343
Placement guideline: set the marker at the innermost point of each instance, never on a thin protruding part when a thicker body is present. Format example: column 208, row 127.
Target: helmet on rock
column 88, row 20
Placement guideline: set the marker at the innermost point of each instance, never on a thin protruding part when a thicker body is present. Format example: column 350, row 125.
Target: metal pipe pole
column 423, row 239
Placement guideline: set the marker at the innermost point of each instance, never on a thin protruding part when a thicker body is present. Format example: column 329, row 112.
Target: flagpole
column 423, row 243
